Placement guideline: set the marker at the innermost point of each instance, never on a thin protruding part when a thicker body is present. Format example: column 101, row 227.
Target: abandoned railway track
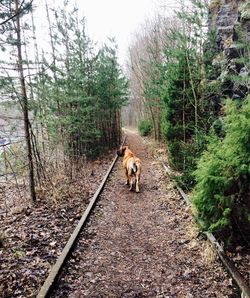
column 137, row 245
column 51, row 279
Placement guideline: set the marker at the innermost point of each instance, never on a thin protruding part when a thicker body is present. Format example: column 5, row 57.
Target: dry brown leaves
column 32, row 236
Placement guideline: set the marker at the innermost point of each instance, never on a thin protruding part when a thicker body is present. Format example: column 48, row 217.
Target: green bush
column 221, row 196
column 145, row 127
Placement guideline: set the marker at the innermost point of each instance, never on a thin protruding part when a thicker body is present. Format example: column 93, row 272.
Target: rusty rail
column 237, row 277
column 50, row 280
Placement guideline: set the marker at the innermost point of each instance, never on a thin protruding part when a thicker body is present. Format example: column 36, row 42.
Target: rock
column 232, row 52
column 231, row 20
column 235, row 96
column 238, row 248
column 227, row 15
column 52, row 244
column 244, row 72
column 240, row 91
column 232, row 68
column 89, row 274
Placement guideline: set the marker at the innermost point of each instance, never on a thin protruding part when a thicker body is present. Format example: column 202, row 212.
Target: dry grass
column 215, row 4
column 208, row 254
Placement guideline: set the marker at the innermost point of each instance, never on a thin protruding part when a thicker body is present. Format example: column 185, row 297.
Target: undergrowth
column 145, row 127
column 221, row 195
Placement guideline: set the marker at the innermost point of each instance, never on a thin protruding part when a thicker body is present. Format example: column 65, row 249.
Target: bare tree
column 24, row 102
column 144, row 70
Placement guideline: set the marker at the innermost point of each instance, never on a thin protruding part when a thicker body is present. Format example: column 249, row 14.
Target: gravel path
column 142, row 245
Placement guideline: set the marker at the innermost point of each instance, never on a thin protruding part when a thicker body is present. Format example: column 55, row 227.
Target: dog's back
column 132, row 165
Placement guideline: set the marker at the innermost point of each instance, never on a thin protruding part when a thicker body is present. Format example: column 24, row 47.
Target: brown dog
column 132, row 166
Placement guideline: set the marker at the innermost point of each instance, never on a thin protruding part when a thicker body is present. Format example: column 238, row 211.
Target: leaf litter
column 135, row 245
column 143, row 245
column 33, row 236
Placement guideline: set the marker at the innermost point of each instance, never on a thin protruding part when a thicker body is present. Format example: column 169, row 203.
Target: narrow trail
column 142, row 245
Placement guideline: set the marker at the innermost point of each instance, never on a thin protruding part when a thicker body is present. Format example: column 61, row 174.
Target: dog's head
column 121, row 151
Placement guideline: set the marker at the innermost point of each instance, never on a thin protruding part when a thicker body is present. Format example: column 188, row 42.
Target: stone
column 244, row 72
column 232, row 52
column 231, row 20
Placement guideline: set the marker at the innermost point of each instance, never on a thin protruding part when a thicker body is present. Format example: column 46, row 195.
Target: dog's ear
column 121, row 151
column 124, row 149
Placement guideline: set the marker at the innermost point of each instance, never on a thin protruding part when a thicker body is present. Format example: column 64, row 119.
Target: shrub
column 145, row 127
column 221, row 196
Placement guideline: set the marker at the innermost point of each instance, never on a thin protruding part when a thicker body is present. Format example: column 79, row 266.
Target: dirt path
column 142, row 245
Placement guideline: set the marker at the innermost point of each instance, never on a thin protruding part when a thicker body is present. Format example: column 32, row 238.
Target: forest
column 185, row 86
column 70, row 95
column 189, row 81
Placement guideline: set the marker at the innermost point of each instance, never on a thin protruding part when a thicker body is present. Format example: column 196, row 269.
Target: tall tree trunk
column 38, row 87
column 195, row 97
column 25, row 105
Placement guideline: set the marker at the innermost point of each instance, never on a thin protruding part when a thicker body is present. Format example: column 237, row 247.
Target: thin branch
column 17, row 13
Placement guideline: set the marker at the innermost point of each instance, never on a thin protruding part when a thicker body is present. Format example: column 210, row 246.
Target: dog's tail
column 134, row 167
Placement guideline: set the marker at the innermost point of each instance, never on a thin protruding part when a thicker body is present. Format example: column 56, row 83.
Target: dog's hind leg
column 127, row 178
column 137, row 179
column 130, row 182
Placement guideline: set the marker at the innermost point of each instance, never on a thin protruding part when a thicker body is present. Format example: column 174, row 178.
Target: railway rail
column 236, row 276
column 52, row 278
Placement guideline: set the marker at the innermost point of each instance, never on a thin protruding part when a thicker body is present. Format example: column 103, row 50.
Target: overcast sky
column 118, row 18
column 112, row 18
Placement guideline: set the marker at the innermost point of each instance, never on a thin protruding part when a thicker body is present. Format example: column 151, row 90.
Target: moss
column 244, row 9
column 214, row 4
column 219, row 59
column 213, row 85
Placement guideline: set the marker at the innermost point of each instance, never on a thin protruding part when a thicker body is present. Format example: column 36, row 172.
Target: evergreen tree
column 85, row 92
column 221, row 195
column 184, row 120
column 111, row 92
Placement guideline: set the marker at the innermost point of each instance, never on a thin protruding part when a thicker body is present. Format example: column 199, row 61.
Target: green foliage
column 192, row 79
column 245, row 10
column 221, row 195
column 145, row 127
column 182, row 124
column 194, row 89
column 83, row 97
